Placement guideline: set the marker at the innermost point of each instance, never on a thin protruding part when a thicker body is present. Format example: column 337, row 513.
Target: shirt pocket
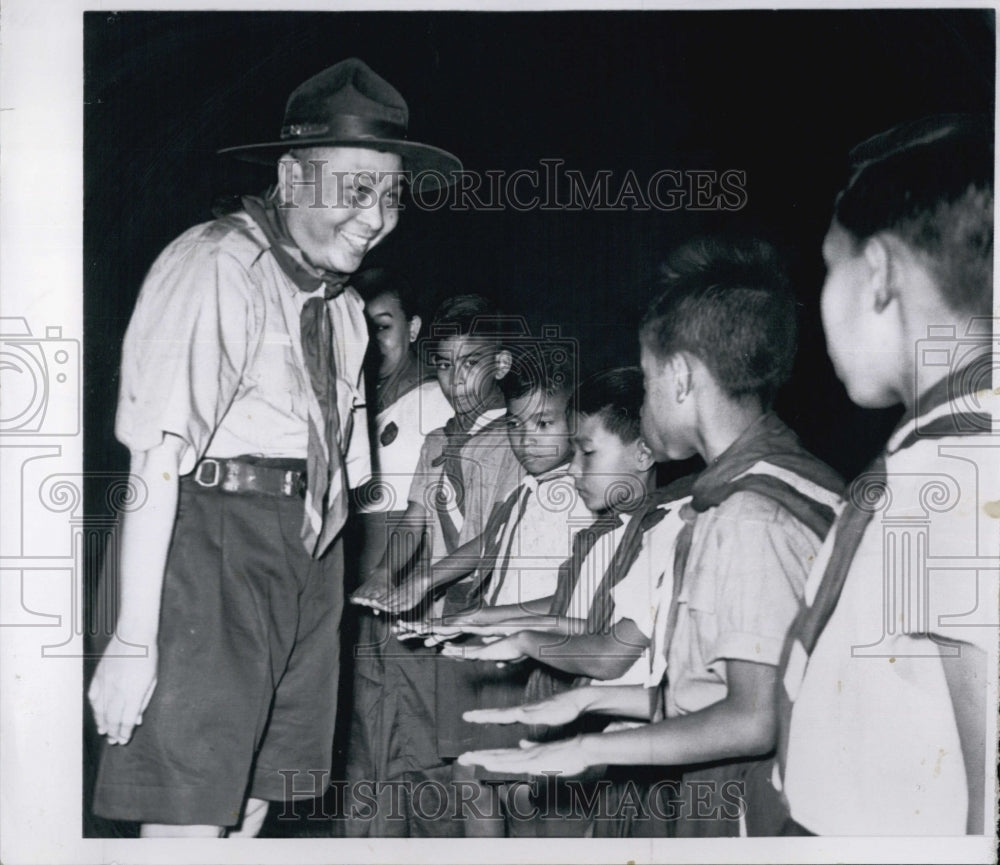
column 276, row 375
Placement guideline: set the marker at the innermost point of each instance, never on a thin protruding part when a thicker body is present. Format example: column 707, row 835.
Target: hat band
column 345, row 127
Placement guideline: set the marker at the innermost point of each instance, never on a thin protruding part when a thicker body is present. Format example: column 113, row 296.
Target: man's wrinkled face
column 340, row 202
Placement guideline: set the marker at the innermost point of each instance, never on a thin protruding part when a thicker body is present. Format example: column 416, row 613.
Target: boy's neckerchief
column 742, row 467
column 650, row 513
column 944, row 410
column 546, row 681
column 458, row 431
column 500, row 518
column 768, row 440
column 326, row 486
column 399, row 382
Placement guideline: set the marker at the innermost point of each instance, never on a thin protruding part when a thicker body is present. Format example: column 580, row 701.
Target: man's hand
column 567, row 757
column 555, row 711
column 120, row 692
column 506, row 650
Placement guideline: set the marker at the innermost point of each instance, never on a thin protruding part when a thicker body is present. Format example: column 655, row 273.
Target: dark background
column 780, row 95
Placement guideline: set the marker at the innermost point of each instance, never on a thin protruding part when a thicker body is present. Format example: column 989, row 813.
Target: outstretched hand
column 505, row 650
column 565, row 757
column 561, row 709
column 382, row 597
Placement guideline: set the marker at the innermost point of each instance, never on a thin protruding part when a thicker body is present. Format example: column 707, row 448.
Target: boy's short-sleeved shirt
column 742, row 586
column 593, row 568
column 873, row 745
column 533, row 548
column 213, row 354
column 400, row 431
column 650, row 579
column 637, row 593
column 489, row 473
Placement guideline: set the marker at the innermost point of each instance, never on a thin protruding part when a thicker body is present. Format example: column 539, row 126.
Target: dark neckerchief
column 766, row 440
column 326, row 490
column 458, row 433
column 406, row 377
column 769, row 440
column 500, row 518
column 545, row 682
column 309, row 279
column 922, row 421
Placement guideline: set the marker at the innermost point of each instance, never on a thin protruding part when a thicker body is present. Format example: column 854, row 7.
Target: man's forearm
column 146, row 535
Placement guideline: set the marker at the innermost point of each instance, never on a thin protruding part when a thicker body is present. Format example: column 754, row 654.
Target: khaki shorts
column 249, row 656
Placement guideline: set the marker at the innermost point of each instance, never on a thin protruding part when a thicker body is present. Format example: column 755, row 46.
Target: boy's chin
column 540, row 466
column 869, row 394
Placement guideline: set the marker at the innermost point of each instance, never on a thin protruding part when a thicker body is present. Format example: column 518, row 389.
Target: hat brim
column 427, row 167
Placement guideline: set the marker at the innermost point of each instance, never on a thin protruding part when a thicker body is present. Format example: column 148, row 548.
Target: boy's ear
column 414, row 327
column 503, row 362
column 882, row 272
column 680, row 367
column 644, row 460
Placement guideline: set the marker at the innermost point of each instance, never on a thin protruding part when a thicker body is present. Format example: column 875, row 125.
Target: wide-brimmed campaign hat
column 349, row 105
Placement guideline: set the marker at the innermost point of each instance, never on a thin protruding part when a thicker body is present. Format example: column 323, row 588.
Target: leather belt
column 247, row 475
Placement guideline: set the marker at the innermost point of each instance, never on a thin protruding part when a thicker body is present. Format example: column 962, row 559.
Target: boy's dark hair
column 728, row 303
column 374, row 281
column 930, row 182
column 540, row 367
column 463, row 315
column 615, row 396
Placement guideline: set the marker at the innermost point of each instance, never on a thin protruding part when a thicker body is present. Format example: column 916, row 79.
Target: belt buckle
column 293, row 483
column 215, row 465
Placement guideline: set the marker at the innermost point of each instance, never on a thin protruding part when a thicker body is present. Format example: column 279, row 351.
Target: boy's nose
column 574, row 467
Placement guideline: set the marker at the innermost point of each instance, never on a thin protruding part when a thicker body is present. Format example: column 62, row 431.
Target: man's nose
column 372, row 216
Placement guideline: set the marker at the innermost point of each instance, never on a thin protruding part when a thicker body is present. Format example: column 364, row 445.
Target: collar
column 306, row 277
column 955, row 405
column 766, row 440
column 533, row 482
column 489, row 415
column 399, row 382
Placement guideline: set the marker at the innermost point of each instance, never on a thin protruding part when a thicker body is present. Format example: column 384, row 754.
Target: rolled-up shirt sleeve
column 760, row 555
column 196, row 323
